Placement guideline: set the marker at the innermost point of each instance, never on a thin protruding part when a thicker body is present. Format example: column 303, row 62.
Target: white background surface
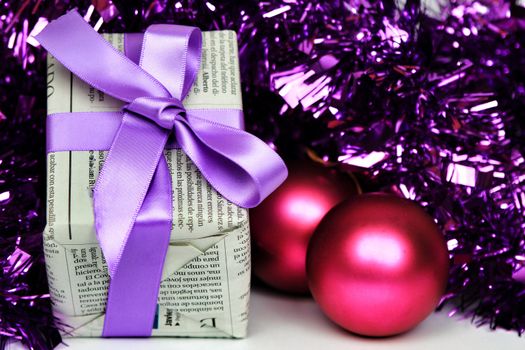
column 288, row 323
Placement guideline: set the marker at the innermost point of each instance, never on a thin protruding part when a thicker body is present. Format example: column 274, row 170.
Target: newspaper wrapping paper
column 206, row 277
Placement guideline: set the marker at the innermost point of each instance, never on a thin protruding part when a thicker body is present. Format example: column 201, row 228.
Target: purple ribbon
column 132, row 197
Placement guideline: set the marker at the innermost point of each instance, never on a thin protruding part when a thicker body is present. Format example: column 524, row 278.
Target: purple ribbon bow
column 132, row 197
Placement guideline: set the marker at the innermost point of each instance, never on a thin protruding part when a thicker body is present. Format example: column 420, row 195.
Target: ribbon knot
column 164, row 111
column 133, row 193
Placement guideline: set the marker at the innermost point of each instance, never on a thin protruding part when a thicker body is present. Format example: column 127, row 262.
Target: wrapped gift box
column 206, row 276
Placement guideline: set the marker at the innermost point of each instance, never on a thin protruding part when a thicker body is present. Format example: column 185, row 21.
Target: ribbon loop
column 178, row 69
column 218, row 151
column 161, row 110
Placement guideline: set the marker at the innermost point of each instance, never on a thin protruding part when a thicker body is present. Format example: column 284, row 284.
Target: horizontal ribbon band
column 95, row 131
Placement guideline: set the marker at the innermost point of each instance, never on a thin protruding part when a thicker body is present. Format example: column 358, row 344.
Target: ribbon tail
column 241, row 167
column 134, row 287
column 133, row 217
column 81, row 50
column 123, row 183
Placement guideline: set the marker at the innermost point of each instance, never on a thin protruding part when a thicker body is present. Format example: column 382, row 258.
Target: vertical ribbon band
column 132, row 197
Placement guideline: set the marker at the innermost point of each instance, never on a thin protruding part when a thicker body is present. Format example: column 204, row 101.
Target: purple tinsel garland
column 429, row 104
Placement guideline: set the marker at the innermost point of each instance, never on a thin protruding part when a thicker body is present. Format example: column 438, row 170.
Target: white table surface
column 282, row 322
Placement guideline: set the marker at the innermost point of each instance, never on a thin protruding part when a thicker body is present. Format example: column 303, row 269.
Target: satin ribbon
column 132, row 196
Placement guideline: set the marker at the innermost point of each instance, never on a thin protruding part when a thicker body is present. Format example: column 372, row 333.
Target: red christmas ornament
column 377, row 265
column 284, row 222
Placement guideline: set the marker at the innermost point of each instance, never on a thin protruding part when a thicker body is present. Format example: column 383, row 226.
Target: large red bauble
column 377, row 265
column 284, row 222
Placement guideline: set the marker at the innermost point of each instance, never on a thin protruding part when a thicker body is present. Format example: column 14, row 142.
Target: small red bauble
column 377, row 265
column 284, row 222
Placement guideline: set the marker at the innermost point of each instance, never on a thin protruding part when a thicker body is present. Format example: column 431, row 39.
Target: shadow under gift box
column 206, row 276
